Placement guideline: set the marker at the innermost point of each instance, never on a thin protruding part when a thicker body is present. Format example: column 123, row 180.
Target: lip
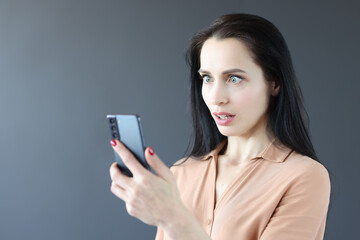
column 223, row 122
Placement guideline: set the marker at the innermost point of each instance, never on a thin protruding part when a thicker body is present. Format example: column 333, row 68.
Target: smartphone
column 127, row 129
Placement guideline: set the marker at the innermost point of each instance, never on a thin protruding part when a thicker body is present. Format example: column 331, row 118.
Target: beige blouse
column 278, row 195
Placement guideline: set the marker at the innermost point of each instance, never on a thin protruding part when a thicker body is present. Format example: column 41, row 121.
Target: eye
column 235, row 79
column 206, row 78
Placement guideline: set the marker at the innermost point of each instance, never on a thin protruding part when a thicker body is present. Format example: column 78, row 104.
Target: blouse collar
column 274, row 152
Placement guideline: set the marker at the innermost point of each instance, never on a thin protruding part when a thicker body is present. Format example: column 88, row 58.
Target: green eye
column 235, row 79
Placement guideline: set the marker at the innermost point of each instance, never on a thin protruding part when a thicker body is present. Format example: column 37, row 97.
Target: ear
column 274, row 88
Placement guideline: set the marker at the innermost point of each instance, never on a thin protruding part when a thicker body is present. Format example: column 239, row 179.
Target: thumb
column 159, row 167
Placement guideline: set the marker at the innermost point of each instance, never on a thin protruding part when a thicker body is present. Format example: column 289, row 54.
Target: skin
column 155, row 199
column 244, row 94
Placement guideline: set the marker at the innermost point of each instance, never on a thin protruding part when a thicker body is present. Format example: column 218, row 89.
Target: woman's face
column 234, row 88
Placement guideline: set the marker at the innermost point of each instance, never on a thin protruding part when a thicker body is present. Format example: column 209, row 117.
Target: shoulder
column 302, row 195
column 191, row 166
column 299, row 164
column 303, row 171
column 188, row 163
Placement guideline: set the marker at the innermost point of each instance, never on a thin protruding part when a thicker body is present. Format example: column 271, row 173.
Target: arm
column 301, row 212
column 184, row 226
column 153, row 199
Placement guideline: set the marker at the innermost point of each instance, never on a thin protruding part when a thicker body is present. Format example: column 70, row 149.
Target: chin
column 227, row 131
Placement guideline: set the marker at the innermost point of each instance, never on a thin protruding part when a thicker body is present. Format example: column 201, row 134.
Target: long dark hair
column 288, row 120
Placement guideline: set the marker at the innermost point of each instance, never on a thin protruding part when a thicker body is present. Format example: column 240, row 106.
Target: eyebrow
column 232, row 70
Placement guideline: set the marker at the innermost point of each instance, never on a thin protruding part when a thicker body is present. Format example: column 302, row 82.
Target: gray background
column 65, row 64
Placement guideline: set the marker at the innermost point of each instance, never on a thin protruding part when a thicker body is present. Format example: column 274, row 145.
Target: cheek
column 250, row 103
column 245, row 100
column 204, row 95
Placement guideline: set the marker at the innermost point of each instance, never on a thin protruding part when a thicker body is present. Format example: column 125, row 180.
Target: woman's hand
column 154, row 199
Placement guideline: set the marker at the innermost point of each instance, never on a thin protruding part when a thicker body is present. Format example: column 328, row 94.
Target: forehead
column 218, row 54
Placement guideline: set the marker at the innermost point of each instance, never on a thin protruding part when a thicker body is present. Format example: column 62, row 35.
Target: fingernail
column 151, row 151
column 113, row 143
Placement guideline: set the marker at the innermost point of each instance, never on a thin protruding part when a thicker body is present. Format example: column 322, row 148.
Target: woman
column 252, row 172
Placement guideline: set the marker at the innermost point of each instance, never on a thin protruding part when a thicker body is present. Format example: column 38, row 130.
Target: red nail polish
column 113, row 143
column 151, row 151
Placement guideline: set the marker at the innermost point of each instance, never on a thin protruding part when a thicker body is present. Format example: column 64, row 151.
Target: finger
column 119, row 192
column 159, row 167
column 120, row 179
column 129, row 159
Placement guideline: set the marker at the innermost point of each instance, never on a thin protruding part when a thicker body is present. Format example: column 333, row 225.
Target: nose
column 218, row 94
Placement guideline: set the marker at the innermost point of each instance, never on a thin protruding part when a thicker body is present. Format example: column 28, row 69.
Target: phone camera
column 115, row 135
column 113, row 128
column 112, row 120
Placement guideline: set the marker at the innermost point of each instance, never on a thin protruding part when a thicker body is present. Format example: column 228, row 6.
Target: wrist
column 183, row 225
column 176, row 219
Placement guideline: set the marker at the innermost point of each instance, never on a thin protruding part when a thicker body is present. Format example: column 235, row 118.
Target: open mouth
column 223, row 117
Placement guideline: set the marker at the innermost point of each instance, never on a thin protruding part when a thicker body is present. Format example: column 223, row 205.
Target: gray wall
column 65, row 64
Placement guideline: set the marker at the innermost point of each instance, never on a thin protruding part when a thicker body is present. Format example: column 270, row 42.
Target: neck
column 243, row 148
